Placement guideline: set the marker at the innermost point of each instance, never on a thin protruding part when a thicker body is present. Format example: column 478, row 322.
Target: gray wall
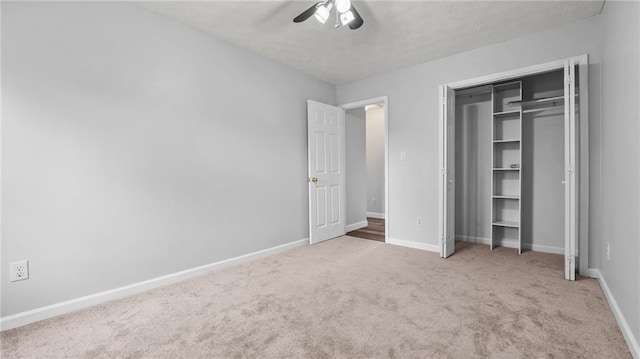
column 375, row 160
column 134, row 147
column 543, row 191
column 473, row 167
column 543, row 167
column 413, row 114
column 355, row 165
column 123, row 133
column 611, row 40
column 619, row 214
column 542, row 217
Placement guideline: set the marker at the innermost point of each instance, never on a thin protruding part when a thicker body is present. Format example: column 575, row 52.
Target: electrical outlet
column 403, row 155
column 19, row 271
column 608, row 251
column 373, row 201
column 419, row 221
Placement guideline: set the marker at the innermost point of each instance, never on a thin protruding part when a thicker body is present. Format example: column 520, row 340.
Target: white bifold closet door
column 571, row 185
column 570, row 162
column 447, row 198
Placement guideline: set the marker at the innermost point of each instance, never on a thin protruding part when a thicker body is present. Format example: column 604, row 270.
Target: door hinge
column 569, row 79
column 570, row 169
column 570, row 259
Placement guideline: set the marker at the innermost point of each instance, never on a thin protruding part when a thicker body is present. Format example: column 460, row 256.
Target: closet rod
column 537, row 100
column 541, row 109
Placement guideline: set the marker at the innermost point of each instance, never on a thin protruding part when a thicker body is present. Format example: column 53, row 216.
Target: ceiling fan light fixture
column 343, row 6
column 323, row 12
column 346, row 13
column 346, row 17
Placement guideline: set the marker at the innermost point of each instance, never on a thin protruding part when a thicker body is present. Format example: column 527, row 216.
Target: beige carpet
column 348, row 298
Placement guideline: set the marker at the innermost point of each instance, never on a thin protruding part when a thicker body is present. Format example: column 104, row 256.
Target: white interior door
column 326, row 143
column 570, row 153
column 447, row 171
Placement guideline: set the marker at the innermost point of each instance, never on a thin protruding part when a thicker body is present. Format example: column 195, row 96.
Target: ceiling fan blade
column 307, row 13
column 357, row 21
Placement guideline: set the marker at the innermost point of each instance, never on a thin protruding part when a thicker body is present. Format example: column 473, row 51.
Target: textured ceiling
column 395, row 34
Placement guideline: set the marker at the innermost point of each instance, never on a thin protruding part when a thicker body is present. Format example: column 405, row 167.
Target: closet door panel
column 447, row 172
column 570, row 153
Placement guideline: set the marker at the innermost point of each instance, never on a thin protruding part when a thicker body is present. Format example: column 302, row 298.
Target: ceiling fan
column 346, row 14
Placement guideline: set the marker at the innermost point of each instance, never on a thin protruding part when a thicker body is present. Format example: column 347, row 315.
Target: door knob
column 313, row 179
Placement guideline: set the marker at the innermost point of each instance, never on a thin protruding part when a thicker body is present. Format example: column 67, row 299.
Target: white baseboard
column 487, row 241
column 593, row 273
column 50, row 311
column 512, row 244
column 356, row 226
column 544, row 249
column 376, row 215
column 470, row 239
column 632, row 341
column 416, row 245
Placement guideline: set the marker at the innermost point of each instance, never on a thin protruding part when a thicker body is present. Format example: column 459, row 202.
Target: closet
column 509, row 162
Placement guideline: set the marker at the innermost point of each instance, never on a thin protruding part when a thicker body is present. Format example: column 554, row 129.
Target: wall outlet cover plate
column 19, row 270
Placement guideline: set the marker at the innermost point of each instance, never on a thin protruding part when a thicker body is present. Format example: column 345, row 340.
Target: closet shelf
column 506, row 153
column 506, row 224
column 506, row 113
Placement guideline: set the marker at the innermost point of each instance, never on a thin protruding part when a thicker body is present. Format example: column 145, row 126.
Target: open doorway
column 365, row 160
column 327, row 174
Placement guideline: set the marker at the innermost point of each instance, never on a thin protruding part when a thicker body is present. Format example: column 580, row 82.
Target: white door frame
column 582, row 247
column 384, row 100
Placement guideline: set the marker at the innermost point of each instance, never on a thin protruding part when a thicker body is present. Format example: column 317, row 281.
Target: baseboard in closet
column 512, row 244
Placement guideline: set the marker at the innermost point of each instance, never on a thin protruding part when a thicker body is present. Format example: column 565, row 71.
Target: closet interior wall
column 543, row 215
column 541, row 198
column 473, row 165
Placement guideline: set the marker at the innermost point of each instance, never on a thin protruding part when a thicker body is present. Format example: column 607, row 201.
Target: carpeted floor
column 348, row 298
